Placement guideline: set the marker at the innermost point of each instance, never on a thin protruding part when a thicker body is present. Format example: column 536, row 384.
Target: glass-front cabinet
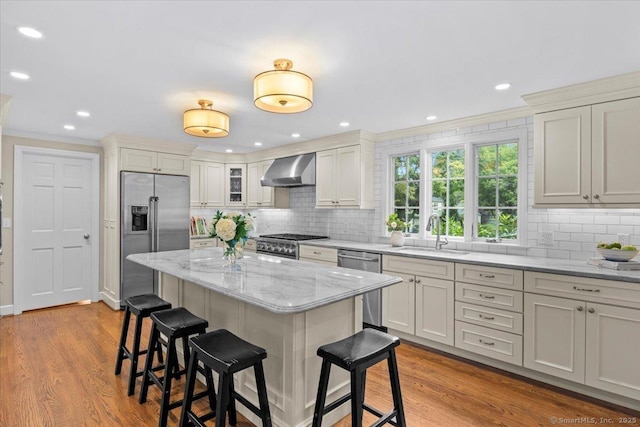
column 236, row 184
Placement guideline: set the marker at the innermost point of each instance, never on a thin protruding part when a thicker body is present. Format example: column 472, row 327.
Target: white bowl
column 616, row 255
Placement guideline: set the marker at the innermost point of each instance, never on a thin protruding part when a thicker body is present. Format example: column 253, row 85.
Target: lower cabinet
column 326, row 256
column 586, row 342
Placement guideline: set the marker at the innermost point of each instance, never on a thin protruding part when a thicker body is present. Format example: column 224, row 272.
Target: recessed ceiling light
column 83, row 113
column 257, row 144
column 344, row 124
column 431, row 117
column 30, row 32
column 295, row 135
column 228, row 150
column 19, row 75
column 69, row 127
column 503, row 86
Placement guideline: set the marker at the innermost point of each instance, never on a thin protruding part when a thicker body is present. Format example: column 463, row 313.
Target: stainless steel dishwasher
column 371, row 301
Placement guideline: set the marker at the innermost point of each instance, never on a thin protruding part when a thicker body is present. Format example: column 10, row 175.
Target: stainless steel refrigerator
column 154, row 217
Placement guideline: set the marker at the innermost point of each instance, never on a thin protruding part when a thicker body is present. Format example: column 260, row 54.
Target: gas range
column 283, row 245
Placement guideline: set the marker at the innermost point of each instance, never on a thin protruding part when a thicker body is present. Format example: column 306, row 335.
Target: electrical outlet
column 623, row 239
column 6, row 222
column 545, row 238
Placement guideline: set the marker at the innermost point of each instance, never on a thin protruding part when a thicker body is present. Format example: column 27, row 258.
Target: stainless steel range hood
column 294, row 171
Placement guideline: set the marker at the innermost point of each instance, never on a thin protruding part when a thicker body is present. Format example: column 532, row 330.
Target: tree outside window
column 406, row 190
column 447, row 190
column 497, row 180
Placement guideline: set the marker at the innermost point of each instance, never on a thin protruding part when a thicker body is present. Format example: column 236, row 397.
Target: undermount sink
column 432, row 250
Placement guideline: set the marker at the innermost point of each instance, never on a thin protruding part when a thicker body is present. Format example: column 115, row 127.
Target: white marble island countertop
column 275, row 284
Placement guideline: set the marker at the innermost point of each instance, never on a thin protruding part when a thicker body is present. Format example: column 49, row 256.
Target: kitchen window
column 447, row 191
column 406, row 190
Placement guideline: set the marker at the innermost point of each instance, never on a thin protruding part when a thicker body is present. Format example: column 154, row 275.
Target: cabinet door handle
column 579, row 308
column 486, row 317
column 591, row 310
column 585, row 289
column 486, row 342
column 411, row 280
column 586, row 197
column 487, row 296
column 596, row 196
column 418, row 281
column 487, row 276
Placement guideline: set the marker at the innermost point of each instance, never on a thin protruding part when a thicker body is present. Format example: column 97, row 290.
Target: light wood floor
column 56, row 369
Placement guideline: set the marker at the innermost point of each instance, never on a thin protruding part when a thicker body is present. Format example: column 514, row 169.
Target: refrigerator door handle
column 153, row 218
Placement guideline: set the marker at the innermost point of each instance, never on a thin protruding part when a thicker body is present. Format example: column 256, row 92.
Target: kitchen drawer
column 203, row 243
column 493, row 276
column 420, row 267
column 612, row 292
column 489, row 342
column 250, row 245
column 489, row 297
column 319, row 254
column 490, row 317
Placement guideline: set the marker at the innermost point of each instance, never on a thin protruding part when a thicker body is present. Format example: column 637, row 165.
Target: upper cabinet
column 135, row 160
column 207, row 184
column 344, row 177
column 264, row 197
column 587, row 144
column 5, row 102
column 236, row 185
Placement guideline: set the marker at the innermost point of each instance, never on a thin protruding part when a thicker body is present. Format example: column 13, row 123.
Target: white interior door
column 55, row 247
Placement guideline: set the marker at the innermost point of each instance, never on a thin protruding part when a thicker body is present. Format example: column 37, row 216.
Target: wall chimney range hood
column 294, row 171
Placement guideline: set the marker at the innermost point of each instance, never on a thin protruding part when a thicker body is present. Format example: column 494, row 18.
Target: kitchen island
column 288, row 307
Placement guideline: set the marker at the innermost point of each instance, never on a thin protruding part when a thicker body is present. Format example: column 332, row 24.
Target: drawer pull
column 486, row 342
column 585, row 289
column 317, row 253
column 487, row 296
column 487, row 276
column 486, row 317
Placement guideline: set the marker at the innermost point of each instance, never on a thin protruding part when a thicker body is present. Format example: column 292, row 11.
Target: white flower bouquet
column 233, row 228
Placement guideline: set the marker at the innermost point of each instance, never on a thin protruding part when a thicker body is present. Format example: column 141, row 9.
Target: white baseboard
column 6, row 310
column 113, row 303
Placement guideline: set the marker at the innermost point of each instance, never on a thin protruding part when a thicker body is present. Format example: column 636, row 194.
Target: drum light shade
column 283, row 90
column 206, row 122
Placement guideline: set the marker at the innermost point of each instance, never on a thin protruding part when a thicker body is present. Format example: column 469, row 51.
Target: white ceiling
column 380, row 65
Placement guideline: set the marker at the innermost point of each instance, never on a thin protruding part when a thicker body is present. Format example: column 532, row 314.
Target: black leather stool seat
column 356, row 354
column 225, row 353
column 361, row 348
column 141, row 306
column 144, row 305
column 178, row 322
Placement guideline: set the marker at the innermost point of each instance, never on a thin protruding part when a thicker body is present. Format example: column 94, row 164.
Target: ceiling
column 379, row 65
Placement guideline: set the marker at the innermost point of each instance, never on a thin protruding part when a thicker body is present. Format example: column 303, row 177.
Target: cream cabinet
column 325, row 256
column 207, row 184
column 580, row 338
column 202, row 243
column 587, row 156
column 264, row 197
column 154, row 162
column 423, row 303
column 235, row 185
column 344, row 177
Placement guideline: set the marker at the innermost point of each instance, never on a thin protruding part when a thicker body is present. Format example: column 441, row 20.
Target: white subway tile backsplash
column 606, row 219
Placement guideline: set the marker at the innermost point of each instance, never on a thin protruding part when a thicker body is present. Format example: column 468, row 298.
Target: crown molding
column 5, row 103
column 496, row 116
column 150, row 144
column 591, row 92
column 52, row 138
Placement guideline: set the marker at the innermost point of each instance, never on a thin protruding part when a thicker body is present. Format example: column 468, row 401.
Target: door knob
column 86, row 236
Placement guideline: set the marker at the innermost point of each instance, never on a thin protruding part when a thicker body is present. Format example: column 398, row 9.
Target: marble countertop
column 275, row 284
column 546, row 265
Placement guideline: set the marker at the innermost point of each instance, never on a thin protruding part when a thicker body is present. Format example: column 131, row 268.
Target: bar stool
column 356, row 354
column 141, row 306
column 175, row 323
column 226, row 354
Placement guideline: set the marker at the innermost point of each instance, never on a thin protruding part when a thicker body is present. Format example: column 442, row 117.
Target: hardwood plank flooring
column 56, row 369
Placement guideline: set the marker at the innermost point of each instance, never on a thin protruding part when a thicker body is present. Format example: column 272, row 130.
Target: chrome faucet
column 434, row 221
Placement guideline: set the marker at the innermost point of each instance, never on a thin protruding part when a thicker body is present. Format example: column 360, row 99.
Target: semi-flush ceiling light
column 20, row 76
column 283, row 90
column 206, row 122
column 503, row 86
column 30, row 32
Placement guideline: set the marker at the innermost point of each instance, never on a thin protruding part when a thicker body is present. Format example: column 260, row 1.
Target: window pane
column 487, row 223
column 438, row 193
column 487, row 160
column 413, row 215
column 508, row 224
column 508, row 192
column 456, row 164
column 414, row 194
column 439, row 164
column 508, row 158
column 400, row 167
column 486, row 192
column 456, row 192
column 414, row 167
column 402, row 213
column 401, row 194
column 456, row 222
